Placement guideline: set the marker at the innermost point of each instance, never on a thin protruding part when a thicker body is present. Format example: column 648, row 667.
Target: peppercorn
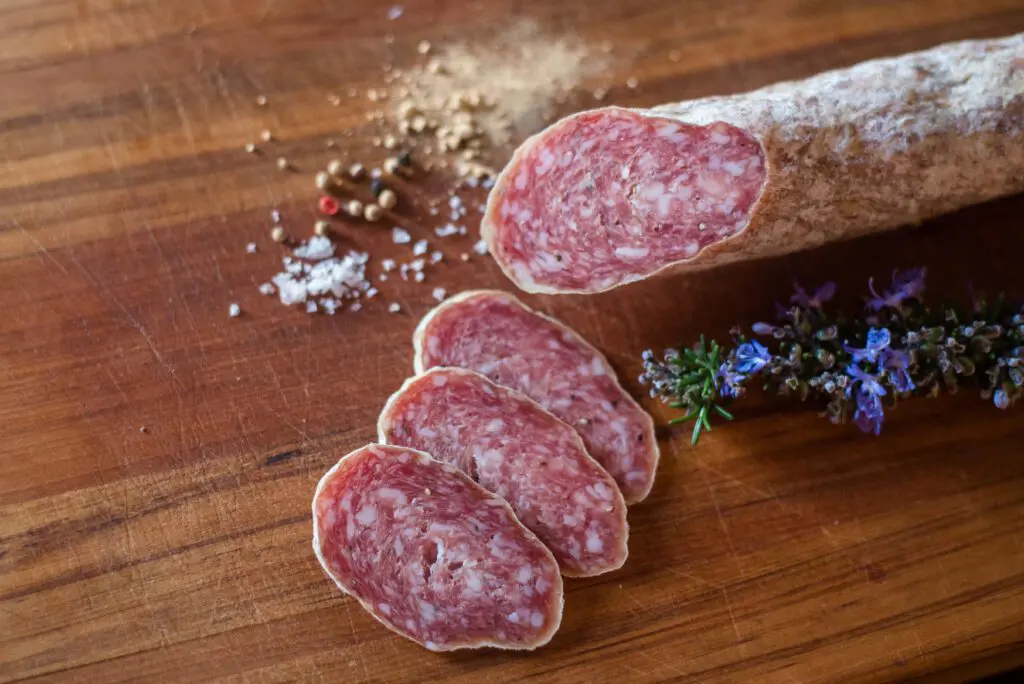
column 387, row 199
column 323, row 181
column 251, row 148
column 328, row 205
column 372, row 212
column 335, row 167
column 354, row 208
column 404, row 159
column 321, row 228
column 391, row 166
column 356, row 171
column 377, row 187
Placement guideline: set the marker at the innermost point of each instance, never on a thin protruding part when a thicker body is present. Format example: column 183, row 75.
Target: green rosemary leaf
column 696, row 433
column 722, row 412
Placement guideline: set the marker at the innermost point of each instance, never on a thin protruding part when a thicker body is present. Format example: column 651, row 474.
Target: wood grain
column 783, row 549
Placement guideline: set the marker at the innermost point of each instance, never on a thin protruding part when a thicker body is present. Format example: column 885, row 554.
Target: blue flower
column 868, row 383
column 1001, row 399
column 869, row 414
column 906, row 285
column 910, row 282
column 821, row 295
column 751, row 357
column 896, row 364
column 878, row 340
column 732, row 382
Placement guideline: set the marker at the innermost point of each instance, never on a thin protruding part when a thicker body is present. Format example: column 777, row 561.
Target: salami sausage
column 517, row 450
column 495, row 334
column 432, row 555
column 613, row 196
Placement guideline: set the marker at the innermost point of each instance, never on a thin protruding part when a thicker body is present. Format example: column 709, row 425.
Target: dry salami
column 432, row 555
column 517, row 450
column 613, row 196
column 495, row 334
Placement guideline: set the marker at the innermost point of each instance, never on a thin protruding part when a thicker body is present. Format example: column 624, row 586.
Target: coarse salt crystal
column 383, row 277
column 311, row 306
column 417, row 264
column 454, row 201
column 420, row 248
column 251, row 248
column 446, row 230
column 234, row 311
column 330, row 305
column 267, row 289
column 439, row 293
column 419, row 277
column 355, row 307
column 436, row 257
column 462, row 230
column 433, row 211
column 400, row 236
column 388, row 265
column 394, row 307
column 480, row 247
column 396, row 12
column 317, row 249
column 487, row 183
column 275, row 216
column 464, row 256
column 371, row 293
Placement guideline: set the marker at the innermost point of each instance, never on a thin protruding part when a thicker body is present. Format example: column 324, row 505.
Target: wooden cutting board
column 157, row 457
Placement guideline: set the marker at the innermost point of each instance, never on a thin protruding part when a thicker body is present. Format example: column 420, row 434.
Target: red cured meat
column 432, row 555
column 650, row 191
column 517, row 450
column 495, row 334
column 613, row 196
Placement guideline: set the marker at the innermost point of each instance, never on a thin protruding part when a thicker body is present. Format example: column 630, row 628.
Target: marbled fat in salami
column 432, row 555
column 612, row 196
column 495, row 334
column 517, row 450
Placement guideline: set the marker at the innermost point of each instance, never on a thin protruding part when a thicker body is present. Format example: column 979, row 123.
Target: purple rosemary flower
column 896, row 366
column 906, row 285
column 763, row 328
column 878, row 340
column 823, row 294
column 869, row 414
column 731, row 382
column 751, row 357
column 867, row 382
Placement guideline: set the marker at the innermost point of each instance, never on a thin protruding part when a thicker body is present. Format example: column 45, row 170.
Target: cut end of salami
column 612, row 196
column 432, row 555
column 496, row 335
column 514, row 448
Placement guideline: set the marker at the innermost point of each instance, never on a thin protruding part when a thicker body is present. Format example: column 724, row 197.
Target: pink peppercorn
column 328, row 206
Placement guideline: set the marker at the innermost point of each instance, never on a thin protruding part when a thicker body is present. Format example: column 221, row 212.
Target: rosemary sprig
column 856, row 367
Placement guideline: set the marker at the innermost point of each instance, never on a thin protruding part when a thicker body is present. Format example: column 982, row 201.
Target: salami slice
column 516, row 449
column 432, row 555
column 612, row 196
column 495, row 334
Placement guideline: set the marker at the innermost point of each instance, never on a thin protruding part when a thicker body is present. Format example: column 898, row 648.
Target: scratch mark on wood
column 281, row 457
